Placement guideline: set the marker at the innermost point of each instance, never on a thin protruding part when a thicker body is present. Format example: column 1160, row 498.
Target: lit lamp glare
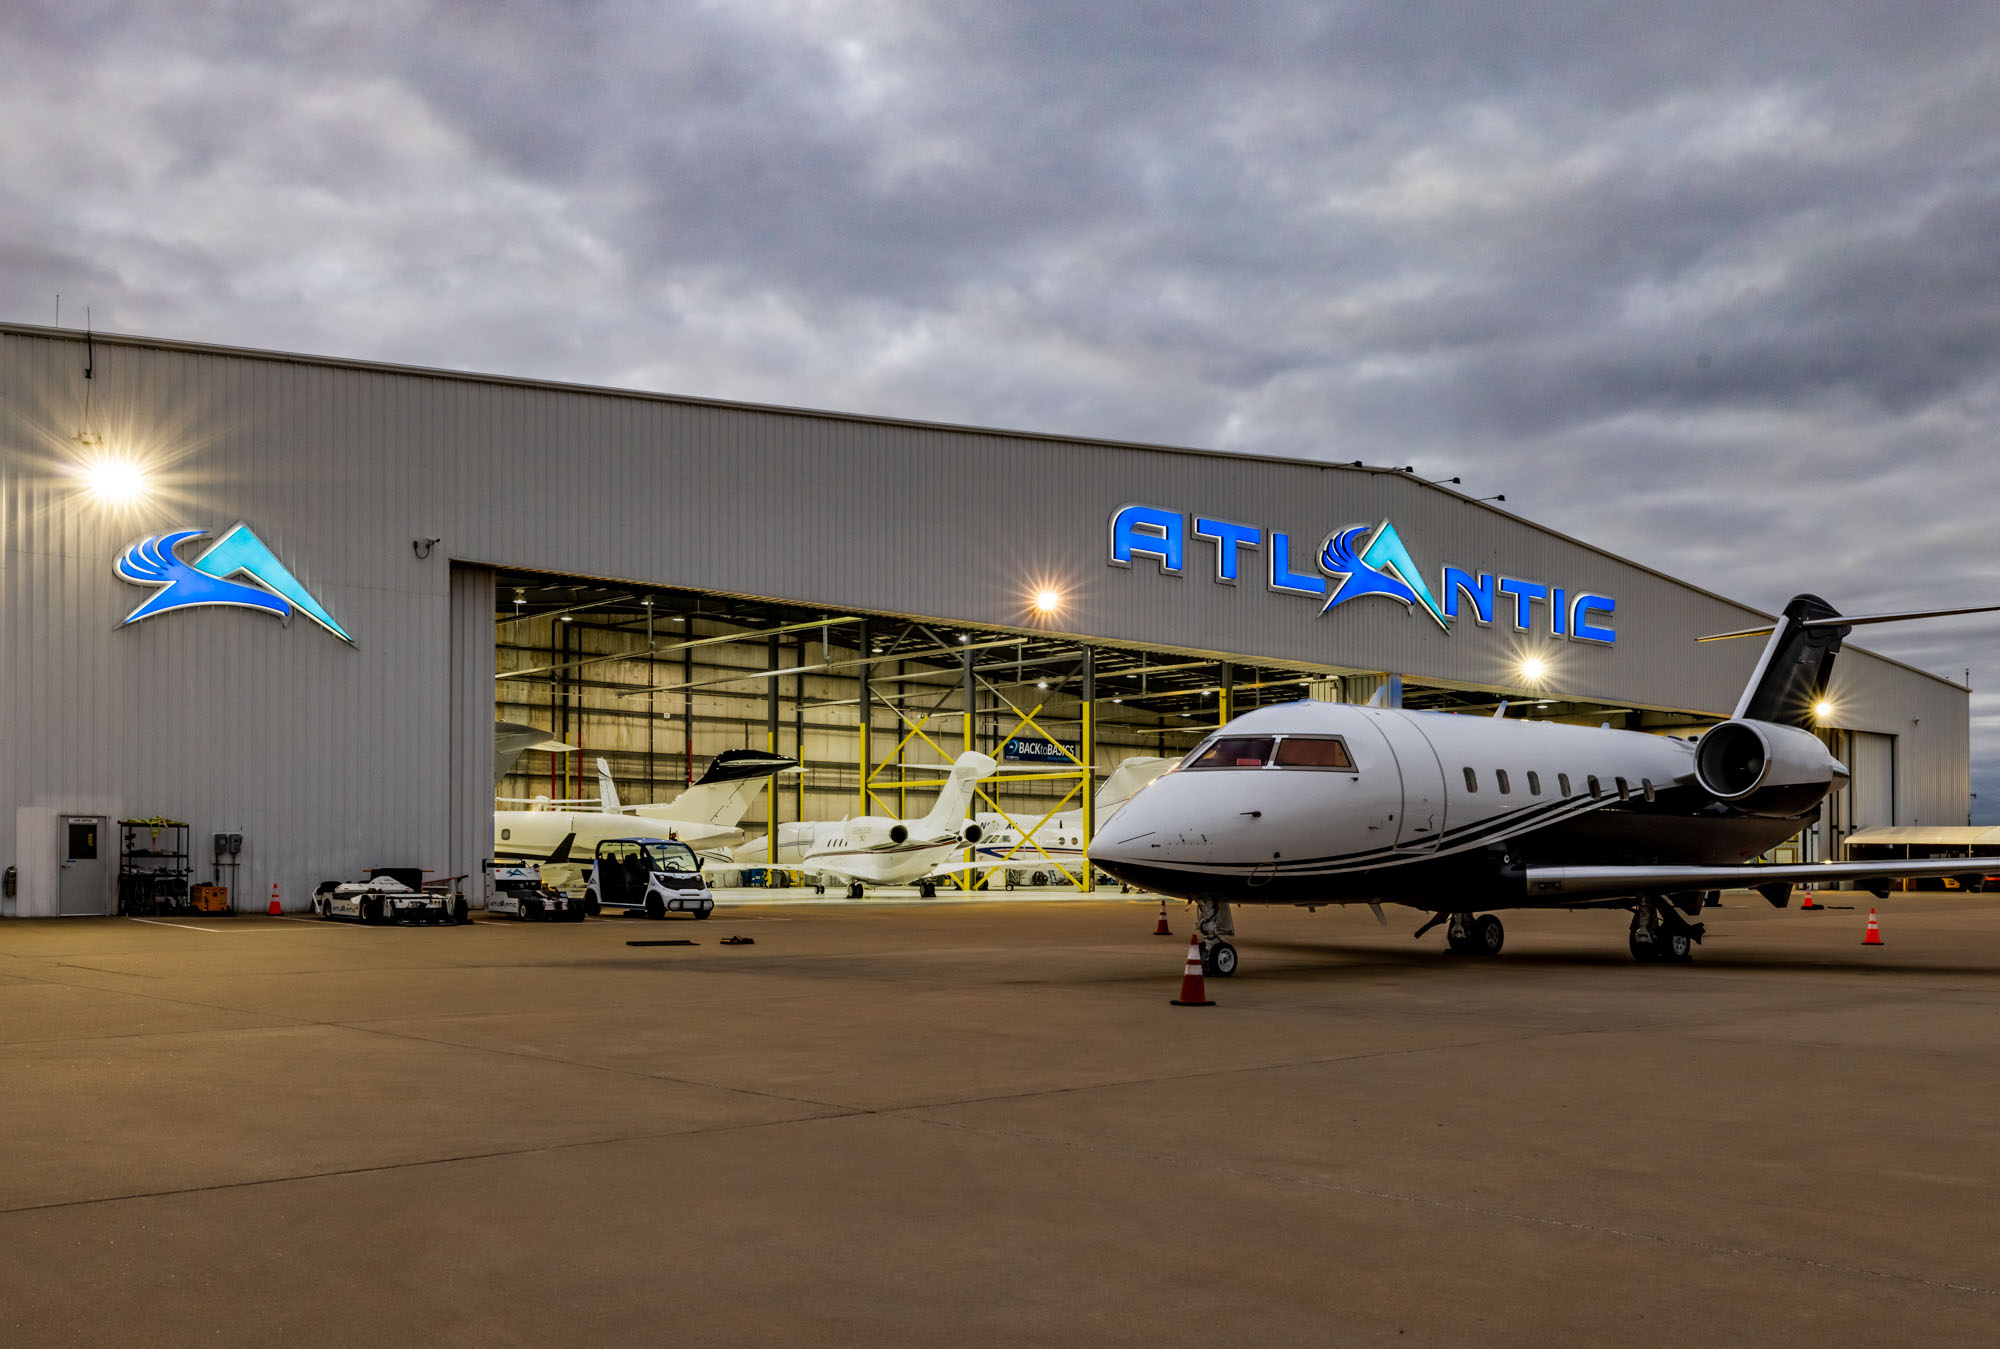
column 1822, row 710
column 1047, row 601
column 115, row 482
column 1533, row 668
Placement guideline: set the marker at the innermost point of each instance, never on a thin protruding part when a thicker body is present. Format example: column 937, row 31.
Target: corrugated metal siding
column 331, row 758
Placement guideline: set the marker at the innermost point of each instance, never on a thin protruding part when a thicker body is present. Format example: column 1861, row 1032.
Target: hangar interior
column 658, row 681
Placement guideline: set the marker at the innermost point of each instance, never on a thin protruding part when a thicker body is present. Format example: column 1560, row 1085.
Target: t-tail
column 955, row 798
column 1796, row 669
column 725, row 791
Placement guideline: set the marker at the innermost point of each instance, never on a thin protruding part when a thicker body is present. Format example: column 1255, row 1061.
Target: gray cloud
column 1713, row 285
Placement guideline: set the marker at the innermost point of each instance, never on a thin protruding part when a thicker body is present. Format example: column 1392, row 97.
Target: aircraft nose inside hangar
column 414, row 555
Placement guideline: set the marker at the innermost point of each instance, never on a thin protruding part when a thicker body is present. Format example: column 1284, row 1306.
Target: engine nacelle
column 899, row 833
column 973, row 833
column 1762, row 768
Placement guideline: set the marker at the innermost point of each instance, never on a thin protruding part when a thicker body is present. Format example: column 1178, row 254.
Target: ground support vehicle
column 387, row 900
column 517, row 890
column 647, row 875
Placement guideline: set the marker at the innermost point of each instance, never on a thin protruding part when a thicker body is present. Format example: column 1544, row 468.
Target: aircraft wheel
column 1644, row 949
column 1456, row 944
column 1220, row 959
column 1488, row 936
column 655, row 907
column 927, row 891
column 819, row 889
column 1678, row 949
column 854, row 890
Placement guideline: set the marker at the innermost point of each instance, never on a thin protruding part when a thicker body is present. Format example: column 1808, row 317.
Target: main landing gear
column 1212, row 923
column 1660, row 934
column 1470, row 934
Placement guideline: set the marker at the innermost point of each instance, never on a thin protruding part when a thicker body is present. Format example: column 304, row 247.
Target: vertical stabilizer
column 607, row 790
column 955, row 798
column 733, row 780
column 1126, row 779
column 1796, row 667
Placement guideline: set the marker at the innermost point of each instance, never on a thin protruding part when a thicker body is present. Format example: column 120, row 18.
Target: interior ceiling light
column 1041, row 683
column 1822, row 710
column 1534, row 668
column 1047, row 601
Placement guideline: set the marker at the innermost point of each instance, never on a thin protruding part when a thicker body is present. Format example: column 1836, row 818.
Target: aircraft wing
column 1555, row 884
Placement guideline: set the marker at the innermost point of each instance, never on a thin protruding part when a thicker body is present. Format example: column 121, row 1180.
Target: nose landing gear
column 1212, row 922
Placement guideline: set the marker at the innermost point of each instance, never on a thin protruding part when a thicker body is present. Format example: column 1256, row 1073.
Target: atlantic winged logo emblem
column 210, row 579
column 1383, row 566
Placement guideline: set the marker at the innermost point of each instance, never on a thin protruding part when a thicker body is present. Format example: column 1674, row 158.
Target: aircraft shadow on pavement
column 1329, row 954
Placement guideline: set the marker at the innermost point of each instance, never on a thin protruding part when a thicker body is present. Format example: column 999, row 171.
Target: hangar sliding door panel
column 471, row 638
column 1871, row 790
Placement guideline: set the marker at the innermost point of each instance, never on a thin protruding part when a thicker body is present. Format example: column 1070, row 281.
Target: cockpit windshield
column 1327, row 752
column 1235, row 751
column 671, row 857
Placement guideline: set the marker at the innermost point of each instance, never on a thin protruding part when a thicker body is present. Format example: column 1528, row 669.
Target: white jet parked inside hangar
column 1035, row 852
column 706, row 815
column 879, row 849
column 1324, row 803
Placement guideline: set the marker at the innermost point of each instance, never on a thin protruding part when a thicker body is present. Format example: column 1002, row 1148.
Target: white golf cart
column 647, row 875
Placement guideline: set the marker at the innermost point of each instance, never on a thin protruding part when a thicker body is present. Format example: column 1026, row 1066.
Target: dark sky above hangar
column 1712, row 285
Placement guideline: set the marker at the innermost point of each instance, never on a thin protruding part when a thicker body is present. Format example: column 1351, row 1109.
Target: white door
column 1421, row 820
column 1871, row 786
column 85, row 885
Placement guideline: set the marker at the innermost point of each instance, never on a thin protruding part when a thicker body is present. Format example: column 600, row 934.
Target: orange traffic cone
column 1194, row 993
column 1872, row 937
column 1807, row 902
column 276, row 907
column 1163, row 930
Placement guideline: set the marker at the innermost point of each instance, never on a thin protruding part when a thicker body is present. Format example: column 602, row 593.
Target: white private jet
column 1323, row 803
column 706, row 815
column 876, row 849
column 1023, row 845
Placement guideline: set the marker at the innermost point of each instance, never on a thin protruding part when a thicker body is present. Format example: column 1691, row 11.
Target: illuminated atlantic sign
column 1358, row 561
column 209, row 580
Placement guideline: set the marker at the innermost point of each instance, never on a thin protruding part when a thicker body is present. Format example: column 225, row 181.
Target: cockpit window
column 1236, row 751
column 1303, row 751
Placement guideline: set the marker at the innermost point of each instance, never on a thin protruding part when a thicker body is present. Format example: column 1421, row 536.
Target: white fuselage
column 1424, row 792
column 538, row 833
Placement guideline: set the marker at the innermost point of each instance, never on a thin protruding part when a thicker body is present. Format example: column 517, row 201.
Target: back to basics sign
column 1037, row 749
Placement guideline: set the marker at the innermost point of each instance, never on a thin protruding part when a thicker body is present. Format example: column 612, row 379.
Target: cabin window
column 1596, row 788
column 1646, row 786
column 1471, row 781
column 1309, row 751
column 1562, row 783
column 1534, row 783
column 1236, row 751
column 506, row 834
column 1500, row 778
column 1624, row 789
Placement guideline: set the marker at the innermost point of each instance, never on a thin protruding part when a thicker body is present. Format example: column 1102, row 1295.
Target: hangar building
column 301, row 616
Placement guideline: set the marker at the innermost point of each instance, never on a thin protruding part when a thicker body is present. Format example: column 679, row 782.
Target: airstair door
column 1420, row 823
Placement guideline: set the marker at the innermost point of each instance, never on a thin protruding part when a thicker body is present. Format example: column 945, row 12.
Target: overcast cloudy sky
column 1714, row 284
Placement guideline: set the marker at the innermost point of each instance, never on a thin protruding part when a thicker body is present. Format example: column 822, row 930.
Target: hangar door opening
column 615, row 698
